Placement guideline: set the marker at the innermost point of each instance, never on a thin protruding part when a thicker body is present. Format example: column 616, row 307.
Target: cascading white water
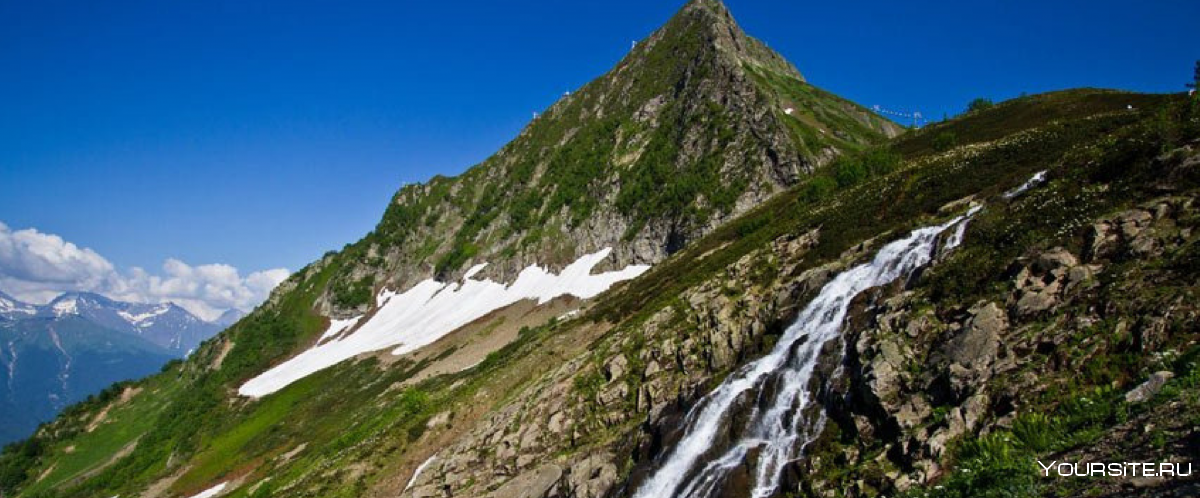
column 775, row 428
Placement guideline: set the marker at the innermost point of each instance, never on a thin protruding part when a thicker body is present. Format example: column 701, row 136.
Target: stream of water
column 774, row 430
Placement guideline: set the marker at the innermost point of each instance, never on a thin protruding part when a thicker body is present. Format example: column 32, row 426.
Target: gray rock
column 531, row 484
column 1033, row 302
column 615, row 368
column 1148, row 389
column 978, row 344
column 591, row 477
column 1054, row 259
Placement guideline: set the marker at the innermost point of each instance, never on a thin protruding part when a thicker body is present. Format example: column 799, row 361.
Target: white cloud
column 36, row 267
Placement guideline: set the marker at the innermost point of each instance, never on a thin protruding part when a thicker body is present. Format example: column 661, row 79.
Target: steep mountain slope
column 582, row 408
column 585, row 407
column 696, row 124
column 555, row 396
column 12, row 309
column 610, row 419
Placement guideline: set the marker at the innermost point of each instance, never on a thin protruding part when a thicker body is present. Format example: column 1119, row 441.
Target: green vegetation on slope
column 1077, row 406
column 357, row 415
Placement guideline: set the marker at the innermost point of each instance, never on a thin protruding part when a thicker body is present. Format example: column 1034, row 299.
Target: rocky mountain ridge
column 696, row 125
column 165, row 325
column 931, row 387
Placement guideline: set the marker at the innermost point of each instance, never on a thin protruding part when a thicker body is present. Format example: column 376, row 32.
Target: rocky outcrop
column 918, row 376
column 642, row 375
column 1146, row 390
column 1139, row 233
column 1041, row 283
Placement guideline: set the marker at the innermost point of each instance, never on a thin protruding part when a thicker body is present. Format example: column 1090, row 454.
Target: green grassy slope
column 355, row 423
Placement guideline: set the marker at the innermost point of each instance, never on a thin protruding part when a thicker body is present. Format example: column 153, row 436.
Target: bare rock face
column 974, row 351
column 916, row 377
column 591, row 477
column 535, row 483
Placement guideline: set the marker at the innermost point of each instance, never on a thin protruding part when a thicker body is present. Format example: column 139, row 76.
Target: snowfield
column 429, row 310
column 211, row 492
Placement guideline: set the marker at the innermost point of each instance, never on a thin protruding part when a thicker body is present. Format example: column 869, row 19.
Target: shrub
column 944, row 141
column 353, row 294
column 1037, row 431
column 980, row 104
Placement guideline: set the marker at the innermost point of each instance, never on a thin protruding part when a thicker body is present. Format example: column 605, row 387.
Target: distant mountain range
column 56, row 354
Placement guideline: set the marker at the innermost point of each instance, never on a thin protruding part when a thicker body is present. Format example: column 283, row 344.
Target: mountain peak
column 712, row 20
column 11, row 307
column 696, row 124
column 714, row 6
column 229, row 317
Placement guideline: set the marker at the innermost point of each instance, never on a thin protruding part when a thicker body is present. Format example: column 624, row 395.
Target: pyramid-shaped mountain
column 698, row 123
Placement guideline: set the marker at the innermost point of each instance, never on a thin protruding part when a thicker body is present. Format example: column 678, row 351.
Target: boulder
column 1146, row 390
column 979, row 342
column 591, row 477
column 532, row 484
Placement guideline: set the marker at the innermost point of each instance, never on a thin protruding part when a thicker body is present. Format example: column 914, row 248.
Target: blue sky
column 261, row 134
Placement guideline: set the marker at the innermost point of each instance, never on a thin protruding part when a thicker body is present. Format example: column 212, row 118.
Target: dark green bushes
column 980, row 104
column 944, row 141
column 350, row 295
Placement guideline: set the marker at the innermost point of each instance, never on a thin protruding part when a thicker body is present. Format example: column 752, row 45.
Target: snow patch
column 211, row 492
column 66, row 307
column 7, row 306
column 1037, row 179
column 338, row 326
column 474, row 270
column 142, row 317
column 429, row 310
column 417, row 473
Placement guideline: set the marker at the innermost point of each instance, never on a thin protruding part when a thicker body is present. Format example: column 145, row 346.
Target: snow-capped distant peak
column 10, row 306
column 65, row 307
column 77, row 303
column 166, row 324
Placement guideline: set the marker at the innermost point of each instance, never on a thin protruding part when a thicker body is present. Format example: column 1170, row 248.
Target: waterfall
column 775, row 431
